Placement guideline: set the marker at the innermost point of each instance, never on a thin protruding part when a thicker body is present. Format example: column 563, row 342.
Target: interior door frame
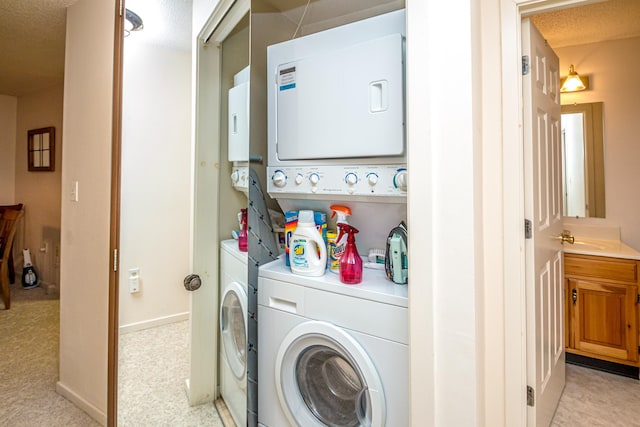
column 114, row 227
column 515, row 307
column 201, row 385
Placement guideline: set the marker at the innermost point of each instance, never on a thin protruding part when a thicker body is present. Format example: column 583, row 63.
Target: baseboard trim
column 81, row 403
column 158, row 321
column 603, row 365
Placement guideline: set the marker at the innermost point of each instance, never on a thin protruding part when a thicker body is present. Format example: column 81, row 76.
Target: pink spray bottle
column 243, row 243
column 350, row 261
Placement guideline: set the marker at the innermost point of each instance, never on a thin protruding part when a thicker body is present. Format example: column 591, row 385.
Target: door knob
column 567, row 237
column 192, row 282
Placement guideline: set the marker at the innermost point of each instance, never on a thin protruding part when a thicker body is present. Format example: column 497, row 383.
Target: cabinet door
column 605, row 319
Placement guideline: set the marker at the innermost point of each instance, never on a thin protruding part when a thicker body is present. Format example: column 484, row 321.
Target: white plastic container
column 307, row 251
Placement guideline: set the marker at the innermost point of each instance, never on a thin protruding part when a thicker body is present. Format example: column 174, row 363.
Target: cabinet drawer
column 614, row 269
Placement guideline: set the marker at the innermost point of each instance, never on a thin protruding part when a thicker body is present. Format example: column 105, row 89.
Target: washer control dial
column 314, row 178
column 400, row 179
column 279, row 179
column 372, row 178
column 351, row 178
column 298, row 179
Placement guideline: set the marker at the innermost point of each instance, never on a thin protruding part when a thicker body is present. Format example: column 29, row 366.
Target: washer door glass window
column 325, row 378
column 233, row 330
column 331, row 387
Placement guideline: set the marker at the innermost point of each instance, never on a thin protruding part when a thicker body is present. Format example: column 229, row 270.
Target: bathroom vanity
column 601, row 300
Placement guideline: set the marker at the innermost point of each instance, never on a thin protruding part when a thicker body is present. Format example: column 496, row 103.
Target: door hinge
column 638, row 299
column 528, row 233
column 121, row 7
column 531, row 396
column 115, row 260
column 525, row 65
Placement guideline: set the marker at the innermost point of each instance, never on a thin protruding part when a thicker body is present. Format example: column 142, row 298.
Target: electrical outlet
column 134, row 280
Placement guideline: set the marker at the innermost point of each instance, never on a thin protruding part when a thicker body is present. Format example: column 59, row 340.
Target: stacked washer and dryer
column 331, row 354
column 233, row 265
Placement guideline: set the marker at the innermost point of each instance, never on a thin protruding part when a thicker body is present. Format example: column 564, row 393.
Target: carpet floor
column 153, row 365
column 29, row 364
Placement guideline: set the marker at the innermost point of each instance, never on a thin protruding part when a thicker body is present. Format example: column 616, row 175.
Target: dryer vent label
column 287, row 78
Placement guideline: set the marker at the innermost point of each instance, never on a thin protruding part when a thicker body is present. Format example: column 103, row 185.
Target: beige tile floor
column 598, row 399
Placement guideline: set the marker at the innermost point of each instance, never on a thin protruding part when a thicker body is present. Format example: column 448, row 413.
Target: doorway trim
column 514, row 262
column 114, row 222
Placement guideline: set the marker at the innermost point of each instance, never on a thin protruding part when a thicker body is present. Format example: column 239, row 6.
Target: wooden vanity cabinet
column 601, row 297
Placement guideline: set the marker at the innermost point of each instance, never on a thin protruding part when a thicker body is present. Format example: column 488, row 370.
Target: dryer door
column 233, row 328
column 325, row 378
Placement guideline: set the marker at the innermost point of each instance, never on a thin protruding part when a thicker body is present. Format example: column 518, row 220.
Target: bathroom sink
column 593, row 246
column 601, row 247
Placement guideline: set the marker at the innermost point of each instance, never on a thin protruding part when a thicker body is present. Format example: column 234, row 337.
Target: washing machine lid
column 325, row 378
column 233, row 328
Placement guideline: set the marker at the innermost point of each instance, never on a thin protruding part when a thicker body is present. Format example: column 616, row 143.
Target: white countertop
column 601, row 247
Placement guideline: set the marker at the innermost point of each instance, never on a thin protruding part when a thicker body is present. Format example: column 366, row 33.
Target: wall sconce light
column 573, row 82
column 132, row 22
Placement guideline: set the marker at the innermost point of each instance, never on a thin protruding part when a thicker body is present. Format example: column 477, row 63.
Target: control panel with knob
column 335, row 180
column 240, row 178
column 279, row 178
column 314, row 178
column 351, row 178
column 400, row 179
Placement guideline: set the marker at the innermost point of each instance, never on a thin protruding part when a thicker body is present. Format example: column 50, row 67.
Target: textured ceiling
column 610, row 20
column 32, row 32
column 32, row 37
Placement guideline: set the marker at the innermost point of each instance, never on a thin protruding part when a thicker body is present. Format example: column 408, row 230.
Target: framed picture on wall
column 41, row 149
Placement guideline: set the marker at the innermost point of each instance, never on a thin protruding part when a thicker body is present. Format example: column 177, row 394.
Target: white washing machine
column 331, row 354
column 233, row 329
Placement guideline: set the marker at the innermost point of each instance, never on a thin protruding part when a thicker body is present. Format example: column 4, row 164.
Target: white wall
column 85, row 257
column 611, row 68
column 40, row 191
column 8, row 122
column 156, row 172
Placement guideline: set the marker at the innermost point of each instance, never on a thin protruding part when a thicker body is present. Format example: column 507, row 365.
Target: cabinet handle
column 574, row 296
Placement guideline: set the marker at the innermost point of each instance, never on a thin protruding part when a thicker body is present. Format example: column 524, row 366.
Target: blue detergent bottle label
column 298, row 255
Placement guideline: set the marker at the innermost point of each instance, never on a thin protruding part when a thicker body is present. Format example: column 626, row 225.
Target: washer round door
column 325, row 378
column 233, row 328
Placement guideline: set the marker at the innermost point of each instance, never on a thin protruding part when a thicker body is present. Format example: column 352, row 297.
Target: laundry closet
column 325, row 92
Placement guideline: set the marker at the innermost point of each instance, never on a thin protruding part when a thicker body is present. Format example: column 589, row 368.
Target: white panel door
column 543, row 207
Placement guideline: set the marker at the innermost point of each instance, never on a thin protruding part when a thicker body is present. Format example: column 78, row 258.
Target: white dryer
column 331, row 354
column 233, row 329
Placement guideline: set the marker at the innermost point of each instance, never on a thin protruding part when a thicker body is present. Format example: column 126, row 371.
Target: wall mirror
column 41, row 149
column 583, row 160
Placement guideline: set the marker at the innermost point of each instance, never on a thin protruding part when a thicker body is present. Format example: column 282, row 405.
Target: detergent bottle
column 307, row 252
column 341, row 241
column 350, row 261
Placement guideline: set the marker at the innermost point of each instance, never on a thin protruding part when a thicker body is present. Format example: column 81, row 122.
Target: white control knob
column 235, row 177
column 400, row 179
column 314, row 178
column 351, row 178
column 372, row 178
column 298, row 179
column 279, row 179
